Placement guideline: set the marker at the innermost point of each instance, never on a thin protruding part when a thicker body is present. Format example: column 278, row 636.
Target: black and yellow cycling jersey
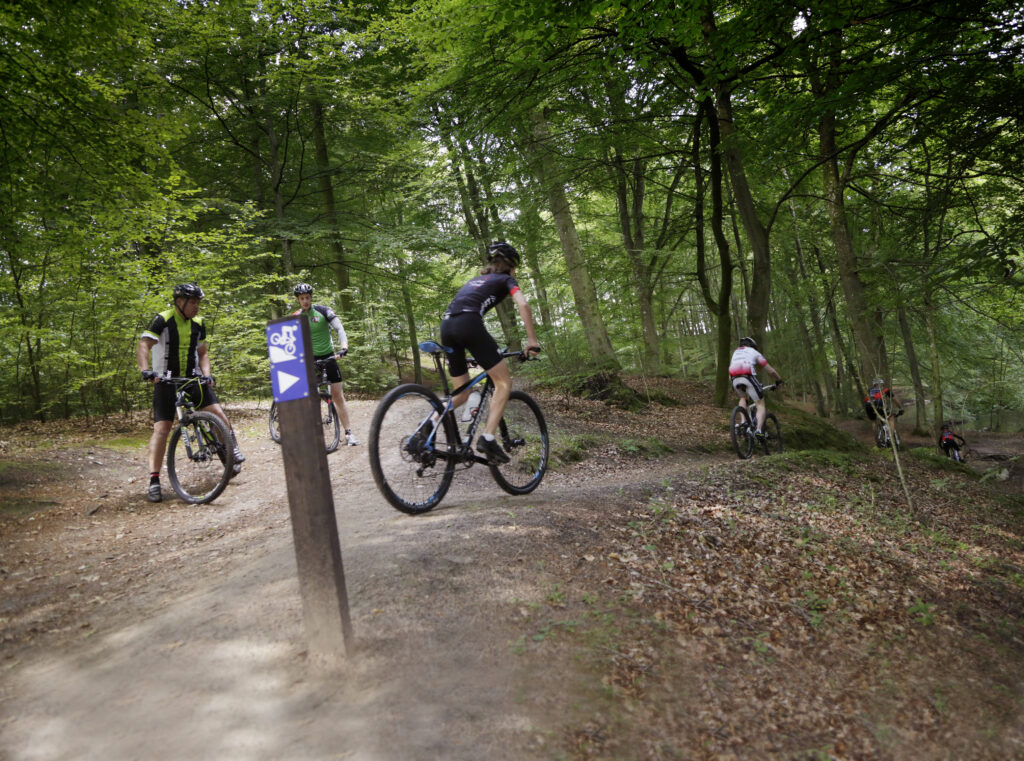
column 173, row 352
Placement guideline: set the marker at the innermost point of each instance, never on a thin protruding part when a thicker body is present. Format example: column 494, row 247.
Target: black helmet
column 748, row 341
column 188, row 291
column 945, row 426
column 303, row 288
column 504, row 250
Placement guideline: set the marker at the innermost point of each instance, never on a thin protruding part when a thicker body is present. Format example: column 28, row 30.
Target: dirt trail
column 183, row 638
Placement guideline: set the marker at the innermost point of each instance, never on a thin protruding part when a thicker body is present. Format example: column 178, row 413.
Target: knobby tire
column 772, row 441
column 742, row 432
column 523, row 434
column 273, row 424
column 415, row 481
column 200, row 477
column 331, row 424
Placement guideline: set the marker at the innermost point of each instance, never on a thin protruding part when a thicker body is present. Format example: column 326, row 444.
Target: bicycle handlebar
column 203, row 380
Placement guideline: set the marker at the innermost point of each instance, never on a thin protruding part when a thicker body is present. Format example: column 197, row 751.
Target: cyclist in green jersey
column 321, row 320
column 177, row 340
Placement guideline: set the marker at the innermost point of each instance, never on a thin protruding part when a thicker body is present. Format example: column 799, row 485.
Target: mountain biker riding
column 743, row 372
column 462, row 328
column 321, row 320
column 177, row 339
column 949, row 440
column 879, row 399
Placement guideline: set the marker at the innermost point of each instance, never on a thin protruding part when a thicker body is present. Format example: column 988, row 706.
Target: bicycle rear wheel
column 200, row 458
column 523, row 435
column 274, row 424
column 412, row 473
column 329, row 422
column 742, row 432
column 772, row 441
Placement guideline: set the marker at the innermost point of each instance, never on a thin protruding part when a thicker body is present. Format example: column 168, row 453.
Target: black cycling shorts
column 333, row 371
column 467, row 331
column 164, row 395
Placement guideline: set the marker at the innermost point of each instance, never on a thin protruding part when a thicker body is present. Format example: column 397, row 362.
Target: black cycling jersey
column 481, row 293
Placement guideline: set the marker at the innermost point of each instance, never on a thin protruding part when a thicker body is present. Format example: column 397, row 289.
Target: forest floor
column 655, row 598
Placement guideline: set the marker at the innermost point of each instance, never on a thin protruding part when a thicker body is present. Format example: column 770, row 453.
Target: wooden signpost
column 310, row 499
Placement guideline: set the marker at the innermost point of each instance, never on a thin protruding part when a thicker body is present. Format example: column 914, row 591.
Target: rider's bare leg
column 762, row 413
column 339, row 403
column 501, row 377
column 158, row 444
column 459, row 399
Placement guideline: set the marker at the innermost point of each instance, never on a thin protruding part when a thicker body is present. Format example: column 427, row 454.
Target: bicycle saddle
column 433, row 347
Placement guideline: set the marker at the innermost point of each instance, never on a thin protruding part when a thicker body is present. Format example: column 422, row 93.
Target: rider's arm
column 527, row 317
column 772, row 371
column 142, row 354
column 204, row 359
column 340, row 330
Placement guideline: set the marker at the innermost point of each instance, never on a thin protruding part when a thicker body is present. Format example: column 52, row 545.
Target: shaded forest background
column 841, row 180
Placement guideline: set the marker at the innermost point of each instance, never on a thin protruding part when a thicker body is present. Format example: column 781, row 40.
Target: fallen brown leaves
column 792, row 608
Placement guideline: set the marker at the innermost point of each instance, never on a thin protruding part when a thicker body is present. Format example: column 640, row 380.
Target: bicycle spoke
column 199, row 458
column 413, row 473
column 523, row 435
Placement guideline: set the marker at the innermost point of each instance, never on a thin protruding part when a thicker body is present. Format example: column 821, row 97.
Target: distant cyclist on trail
column 177, row 340
column 950, row 441
column 743, row 372
column 879, row 401
column 462, row 328
column 321, row 320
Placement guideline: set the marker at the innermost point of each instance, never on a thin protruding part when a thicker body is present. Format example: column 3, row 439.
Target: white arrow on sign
column 285, row 381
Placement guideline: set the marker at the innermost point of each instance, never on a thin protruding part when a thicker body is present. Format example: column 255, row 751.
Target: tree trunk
column 938, row 412
column 867, row 330
column 631, row 224
column 719, row 305
column 757, row 234
column 477, row 224
column 532, row 225
column 410, row 322
column 816, row 354
column 342, row 275
column 584, row 294
column 920, row 419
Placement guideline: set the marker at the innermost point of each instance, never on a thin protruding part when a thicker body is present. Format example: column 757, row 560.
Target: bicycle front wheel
column 329, row 422
column 200, row 458
column 274, row 424
column 772, row 435
column 741, row 432
column 412, row 469
column 881, row 439
column 523, row 435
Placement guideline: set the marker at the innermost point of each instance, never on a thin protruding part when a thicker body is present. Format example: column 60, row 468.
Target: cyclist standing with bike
column 177, row 339
column 743, row 372
column 321, row 320
column 462, row 328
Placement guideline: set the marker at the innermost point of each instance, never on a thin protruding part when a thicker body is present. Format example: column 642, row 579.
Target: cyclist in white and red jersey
column 463, row 328
column 743, row 371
